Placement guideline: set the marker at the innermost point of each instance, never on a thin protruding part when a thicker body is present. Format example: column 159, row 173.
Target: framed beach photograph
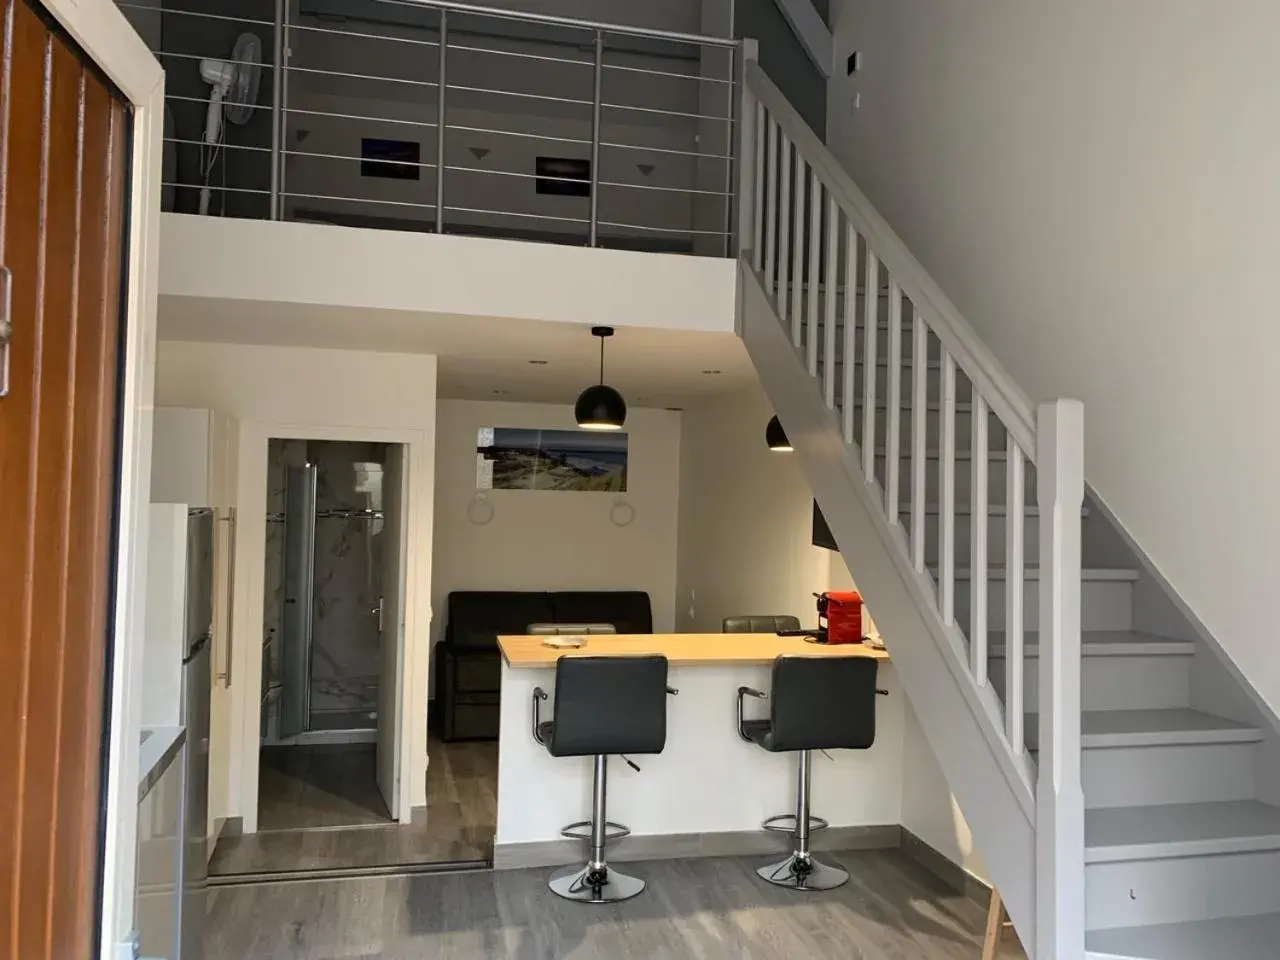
column 512, row 458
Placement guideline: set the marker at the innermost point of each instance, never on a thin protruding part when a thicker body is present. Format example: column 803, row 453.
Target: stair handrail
column 989, row 377
column 806, row 283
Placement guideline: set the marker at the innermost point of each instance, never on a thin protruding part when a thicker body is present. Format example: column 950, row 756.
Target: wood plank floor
column 320, row 811
column 711, row 909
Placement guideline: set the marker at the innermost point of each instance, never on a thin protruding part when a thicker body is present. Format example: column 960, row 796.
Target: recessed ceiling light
column 538, row 363
column 712, row 373
column 500, row 393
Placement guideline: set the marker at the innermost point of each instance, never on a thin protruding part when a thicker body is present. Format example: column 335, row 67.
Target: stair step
column 1105, row 643
column 933, row 453
column 1032, row 573
column 1153, row 728
column 966, row 509
column 1120, row 670
column 1236, row 938
column 1180, row 830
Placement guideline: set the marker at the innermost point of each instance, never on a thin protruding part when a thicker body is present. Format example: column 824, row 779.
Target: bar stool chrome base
column 798, row 872
column 598, row 885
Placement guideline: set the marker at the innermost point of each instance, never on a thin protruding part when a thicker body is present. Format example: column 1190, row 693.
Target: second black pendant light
column 600, row 407
column 776, row 437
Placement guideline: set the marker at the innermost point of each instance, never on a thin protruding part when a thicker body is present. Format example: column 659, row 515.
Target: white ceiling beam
column 813, row 33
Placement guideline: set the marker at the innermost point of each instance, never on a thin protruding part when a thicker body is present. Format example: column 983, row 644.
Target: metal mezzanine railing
column 439, row 116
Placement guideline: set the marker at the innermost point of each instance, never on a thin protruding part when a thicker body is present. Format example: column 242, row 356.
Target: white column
column 1059, row 797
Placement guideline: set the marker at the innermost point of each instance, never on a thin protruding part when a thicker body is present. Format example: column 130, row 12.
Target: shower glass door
column 299, row 586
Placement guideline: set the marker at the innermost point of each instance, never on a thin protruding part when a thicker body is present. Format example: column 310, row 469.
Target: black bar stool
column 603, row 706
column 817, row 703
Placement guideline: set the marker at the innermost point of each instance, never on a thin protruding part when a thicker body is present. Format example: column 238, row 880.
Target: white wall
column 326, row 394
column 746, row 543
column 543, row 540
column 464, row 276
column 1094, row 185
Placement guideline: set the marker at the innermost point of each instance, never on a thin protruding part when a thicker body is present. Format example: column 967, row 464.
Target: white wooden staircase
column 1117, row 821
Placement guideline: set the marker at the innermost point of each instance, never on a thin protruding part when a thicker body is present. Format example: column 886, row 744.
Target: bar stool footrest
column 787, row 823
column 582, row 831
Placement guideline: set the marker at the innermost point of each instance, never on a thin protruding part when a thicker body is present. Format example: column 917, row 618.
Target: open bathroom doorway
column 331, row 590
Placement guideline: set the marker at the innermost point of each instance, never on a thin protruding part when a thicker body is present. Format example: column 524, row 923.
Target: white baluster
column 947, row 490
column 919, row 411
column 892, row 460
column 1060, row 907
column 850, row 327
column 871, row 321
column 783, row 294
column 978, row 543
column 797, row 253
column 812, row 286
column 831, row 284
column 1015, row 513
column 771, row 212
column 757, row 209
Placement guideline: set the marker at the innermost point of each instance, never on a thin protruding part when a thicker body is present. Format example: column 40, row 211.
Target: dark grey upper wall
column 184, row 39
column 783, row 57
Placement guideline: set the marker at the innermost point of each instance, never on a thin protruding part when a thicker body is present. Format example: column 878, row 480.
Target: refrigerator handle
column 224, row 675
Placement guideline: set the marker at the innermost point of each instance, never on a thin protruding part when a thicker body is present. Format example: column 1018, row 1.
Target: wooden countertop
column 681, row 649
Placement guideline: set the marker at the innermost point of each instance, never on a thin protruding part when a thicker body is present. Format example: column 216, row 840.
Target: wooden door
column 63, row 168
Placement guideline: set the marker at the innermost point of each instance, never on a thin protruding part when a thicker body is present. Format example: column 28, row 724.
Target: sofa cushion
column 627, row 610
column 476, row 618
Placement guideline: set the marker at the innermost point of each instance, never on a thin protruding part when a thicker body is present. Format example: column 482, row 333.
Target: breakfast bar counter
column 709, row 791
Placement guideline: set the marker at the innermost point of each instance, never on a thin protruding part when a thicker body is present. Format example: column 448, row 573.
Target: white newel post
column 1059, row 797
column 747, row 220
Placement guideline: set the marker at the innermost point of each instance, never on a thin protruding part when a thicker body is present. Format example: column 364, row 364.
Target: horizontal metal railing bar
column 513, row 93
column 666, row 113
column 516, row 213
column 213, row 186
column 610, row 28
column 352, row 116
column 426, row 165
column 666, row 73
column 361, row 76
column 518, row 133
column 205, row 102
column 511, row 173
column 421, row 165
column 168, row 11
column 604, row 183
column 671, row 150
column 220, row 146
column 522, row 56
column 680, row 230
column 651, row 186
column 293, row 25
column 198, row 56
column 430, row 205
column 638, row 148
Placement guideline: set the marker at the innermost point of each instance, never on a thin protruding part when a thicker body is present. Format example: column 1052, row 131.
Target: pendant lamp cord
column 602, row 360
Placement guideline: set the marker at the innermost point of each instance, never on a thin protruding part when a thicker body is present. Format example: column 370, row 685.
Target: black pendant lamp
column 600, row 407
column 776, row 437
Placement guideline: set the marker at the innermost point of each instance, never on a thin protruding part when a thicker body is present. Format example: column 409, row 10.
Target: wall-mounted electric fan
column 233, row 91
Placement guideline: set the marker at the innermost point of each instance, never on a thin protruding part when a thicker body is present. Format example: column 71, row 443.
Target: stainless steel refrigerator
column 196, row 686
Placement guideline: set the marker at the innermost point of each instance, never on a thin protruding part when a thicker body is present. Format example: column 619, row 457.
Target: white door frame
column 106, row 37
column 250, row 578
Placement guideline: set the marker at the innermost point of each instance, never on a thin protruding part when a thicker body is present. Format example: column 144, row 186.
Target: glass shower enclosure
column 323, row 618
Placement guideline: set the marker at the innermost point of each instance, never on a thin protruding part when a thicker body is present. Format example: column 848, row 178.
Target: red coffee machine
column 839, row 616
